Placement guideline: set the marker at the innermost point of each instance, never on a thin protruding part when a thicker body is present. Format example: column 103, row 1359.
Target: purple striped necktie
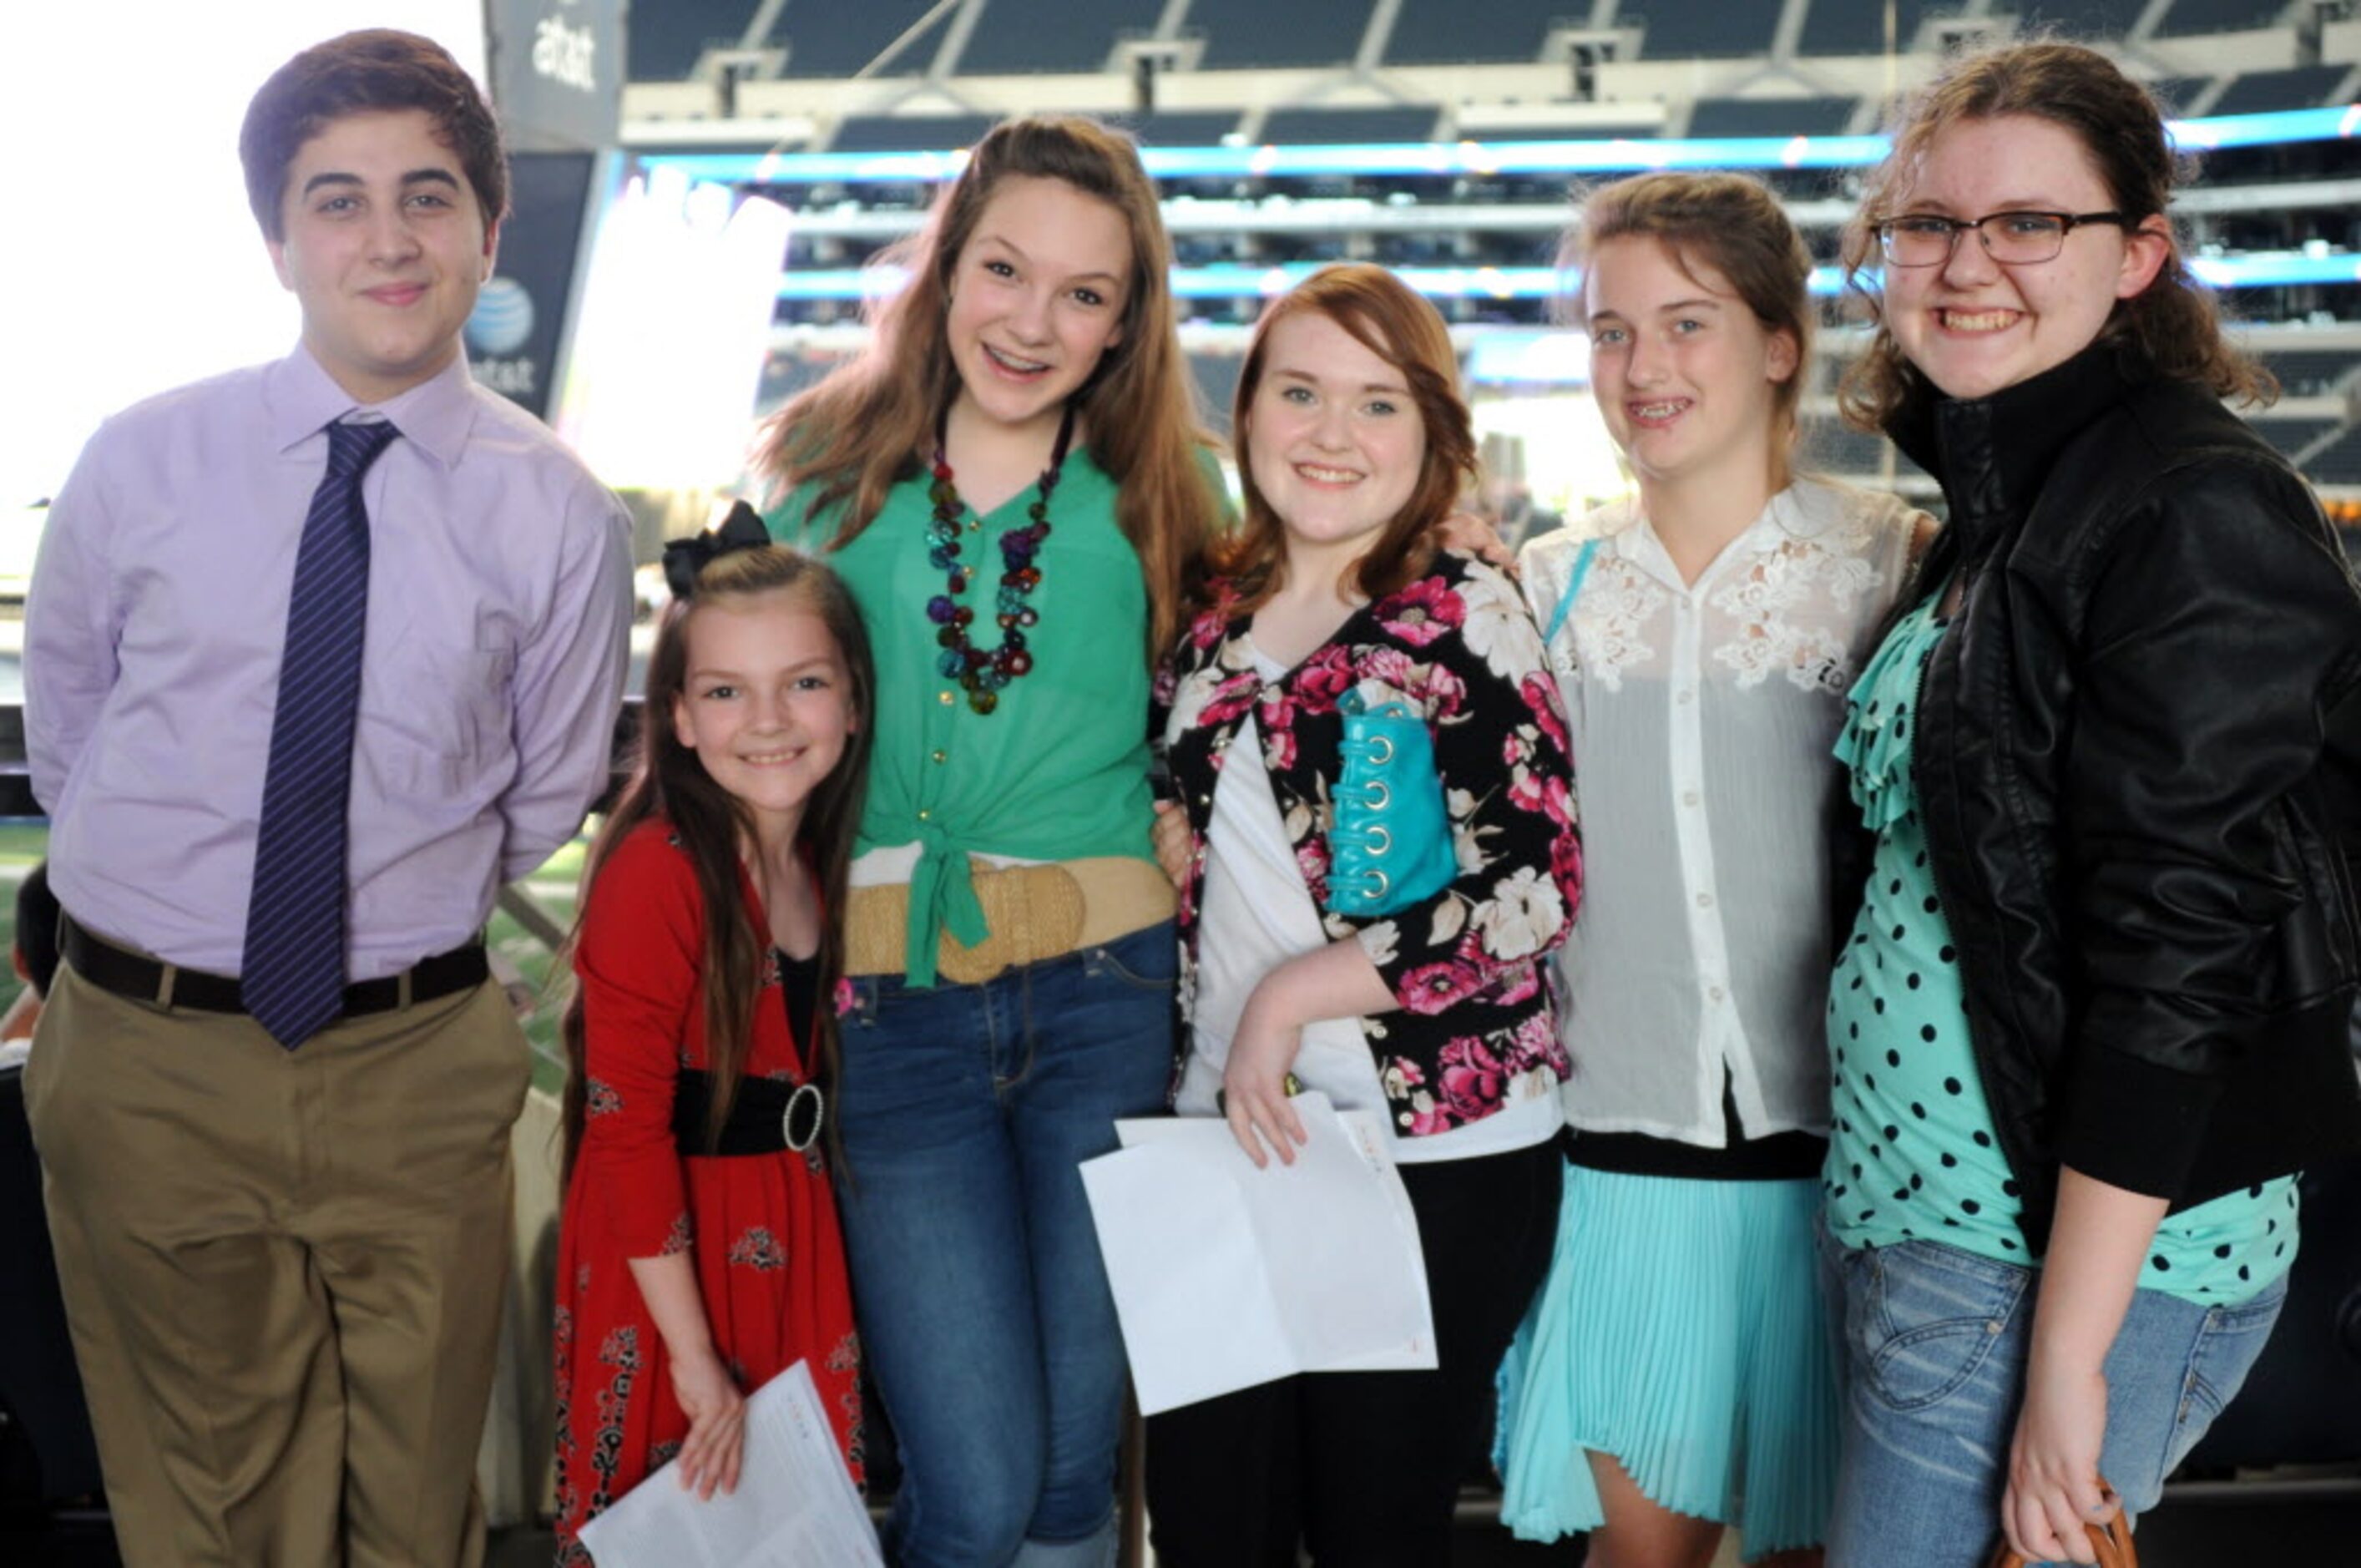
column 292, row 980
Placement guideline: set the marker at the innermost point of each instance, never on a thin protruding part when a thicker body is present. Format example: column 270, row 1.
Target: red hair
column 1401, row 328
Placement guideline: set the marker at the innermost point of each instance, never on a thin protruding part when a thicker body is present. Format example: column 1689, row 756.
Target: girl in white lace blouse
column 1673, row 1376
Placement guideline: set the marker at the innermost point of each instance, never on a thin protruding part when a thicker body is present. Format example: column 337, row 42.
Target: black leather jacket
column 2140, row 766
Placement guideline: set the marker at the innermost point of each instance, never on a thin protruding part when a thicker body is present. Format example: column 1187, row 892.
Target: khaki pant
column 283, row 1269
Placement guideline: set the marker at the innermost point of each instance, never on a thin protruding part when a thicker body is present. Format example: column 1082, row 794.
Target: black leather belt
column 142, row 979
column 766, row 1115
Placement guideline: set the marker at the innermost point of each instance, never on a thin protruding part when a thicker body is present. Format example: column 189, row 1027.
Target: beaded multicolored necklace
column 979, row 672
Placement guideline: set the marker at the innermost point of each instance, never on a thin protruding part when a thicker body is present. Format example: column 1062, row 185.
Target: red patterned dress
column 769, row 1259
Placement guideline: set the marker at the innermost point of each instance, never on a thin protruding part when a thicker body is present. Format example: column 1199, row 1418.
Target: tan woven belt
column 1031, row 911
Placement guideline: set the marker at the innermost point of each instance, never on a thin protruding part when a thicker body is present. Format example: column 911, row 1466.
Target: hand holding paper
column 1226, row 1276
column 795, row 1505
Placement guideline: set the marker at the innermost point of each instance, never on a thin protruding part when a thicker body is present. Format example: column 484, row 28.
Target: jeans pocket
column 1933, row 1316
column 2227, row 1348
column 1147, row 960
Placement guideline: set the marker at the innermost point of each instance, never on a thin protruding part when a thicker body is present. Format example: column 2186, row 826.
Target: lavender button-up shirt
column 499, row 608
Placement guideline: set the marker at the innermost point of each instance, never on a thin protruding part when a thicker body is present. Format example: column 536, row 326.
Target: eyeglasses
column 1927, row 239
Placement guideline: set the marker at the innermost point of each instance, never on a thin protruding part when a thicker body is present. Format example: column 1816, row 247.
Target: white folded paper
column 1225, row 1276
column 796, row 1504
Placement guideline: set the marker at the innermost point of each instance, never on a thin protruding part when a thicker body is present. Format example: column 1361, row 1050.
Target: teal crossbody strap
column 1573, row 590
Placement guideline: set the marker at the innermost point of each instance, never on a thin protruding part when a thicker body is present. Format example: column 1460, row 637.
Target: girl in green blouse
column 1012, row 478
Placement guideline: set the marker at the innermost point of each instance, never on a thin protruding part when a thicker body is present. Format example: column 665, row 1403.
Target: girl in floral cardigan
column 1353, row 443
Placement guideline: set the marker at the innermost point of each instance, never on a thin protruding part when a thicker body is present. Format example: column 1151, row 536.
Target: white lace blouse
column 1701, row 721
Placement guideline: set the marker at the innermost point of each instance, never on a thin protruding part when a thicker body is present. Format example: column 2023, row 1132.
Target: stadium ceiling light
column 1479, row 159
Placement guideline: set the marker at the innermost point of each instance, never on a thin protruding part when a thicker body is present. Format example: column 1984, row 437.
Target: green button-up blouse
column 1059, row 769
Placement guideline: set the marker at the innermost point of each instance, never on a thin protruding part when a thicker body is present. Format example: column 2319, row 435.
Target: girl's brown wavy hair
column 2173, row 323
column 861, row 431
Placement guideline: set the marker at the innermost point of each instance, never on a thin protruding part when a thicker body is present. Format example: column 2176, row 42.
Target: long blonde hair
column 859, row 432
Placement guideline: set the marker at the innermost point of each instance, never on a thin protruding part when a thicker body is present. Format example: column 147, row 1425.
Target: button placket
column 1719, row 1035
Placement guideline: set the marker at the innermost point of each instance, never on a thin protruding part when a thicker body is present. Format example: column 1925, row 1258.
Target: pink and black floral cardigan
column 1458, row 646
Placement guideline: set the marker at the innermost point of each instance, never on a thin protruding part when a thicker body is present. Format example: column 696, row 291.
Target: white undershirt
column 1255, row 915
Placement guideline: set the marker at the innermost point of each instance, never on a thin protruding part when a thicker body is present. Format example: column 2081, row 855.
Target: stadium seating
column 2340, row 464
column 1770, row 117
column 2310, row 374
column 665, row 42
column 2082, row 19
column 1027, row 38
column 1182, row 129
column 1309, row 126
column 1282, row 74
column 836, row 40
column 2299, row 87
column 1857, row 26
column 1701, row 29
column 2192, row 17
column 908, row 133
column 1436, row 32
column 1257, row 34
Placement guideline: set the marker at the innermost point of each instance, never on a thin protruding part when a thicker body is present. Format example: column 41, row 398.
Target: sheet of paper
column 796, row 1504
column 1416, row 1353
column 1225, row 1276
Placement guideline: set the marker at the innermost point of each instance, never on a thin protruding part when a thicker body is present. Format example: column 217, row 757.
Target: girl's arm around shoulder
column 1462, row 644
column 1545, row 566
column 1542, row 567
column 637, row 962
column 1204, row 632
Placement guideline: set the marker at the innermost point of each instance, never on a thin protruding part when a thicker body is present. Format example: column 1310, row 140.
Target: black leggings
column 1364, row 1468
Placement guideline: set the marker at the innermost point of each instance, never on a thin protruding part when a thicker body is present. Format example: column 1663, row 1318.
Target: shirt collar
column 435, row 415
column 1802, row 510
column 1992, row 454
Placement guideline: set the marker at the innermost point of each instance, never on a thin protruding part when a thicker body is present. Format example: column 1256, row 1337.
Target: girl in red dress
column 698, row 1254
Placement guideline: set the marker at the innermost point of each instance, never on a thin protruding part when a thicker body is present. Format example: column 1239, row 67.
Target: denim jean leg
column 1929, row 1414
column 1935, row 1358
column 2173, row 1367
column 1098, row 1025
column 933, row 1209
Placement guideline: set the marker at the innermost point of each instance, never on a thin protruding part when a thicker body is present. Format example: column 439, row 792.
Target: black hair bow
column 685, row 558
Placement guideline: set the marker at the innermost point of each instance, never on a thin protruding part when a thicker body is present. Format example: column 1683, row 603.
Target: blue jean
column 984, row 1306
column 1934, row 1342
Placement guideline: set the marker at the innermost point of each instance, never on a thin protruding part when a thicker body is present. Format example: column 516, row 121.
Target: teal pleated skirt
column 1681, row 1331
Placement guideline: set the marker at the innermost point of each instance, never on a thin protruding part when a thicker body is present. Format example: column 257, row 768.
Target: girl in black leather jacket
column 2093, row 1012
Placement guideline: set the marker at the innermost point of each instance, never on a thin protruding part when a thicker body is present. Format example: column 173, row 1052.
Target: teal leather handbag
column 1390, row 847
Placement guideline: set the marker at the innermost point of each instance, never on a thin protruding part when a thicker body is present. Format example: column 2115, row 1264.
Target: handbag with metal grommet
column 1390, row 847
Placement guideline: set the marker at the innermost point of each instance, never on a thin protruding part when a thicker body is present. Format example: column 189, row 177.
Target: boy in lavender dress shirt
column 283, row 1248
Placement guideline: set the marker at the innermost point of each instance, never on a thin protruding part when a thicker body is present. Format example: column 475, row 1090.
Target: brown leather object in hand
column 2112, row 1539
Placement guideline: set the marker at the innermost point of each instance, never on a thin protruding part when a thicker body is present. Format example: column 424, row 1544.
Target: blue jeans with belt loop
column 1935, row 1340
column 984, row 1306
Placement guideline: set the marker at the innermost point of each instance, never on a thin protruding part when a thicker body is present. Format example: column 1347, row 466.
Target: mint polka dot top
column 1912, row 1153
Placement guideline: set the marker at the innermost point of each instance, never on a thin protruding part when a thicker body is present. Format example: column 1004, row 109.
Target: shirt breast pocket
column 440, row 719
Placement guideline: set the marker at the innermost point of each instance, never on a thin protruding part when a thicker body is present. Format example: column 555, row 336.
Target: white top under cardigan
column 1701, row 721
column 1258, row 915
